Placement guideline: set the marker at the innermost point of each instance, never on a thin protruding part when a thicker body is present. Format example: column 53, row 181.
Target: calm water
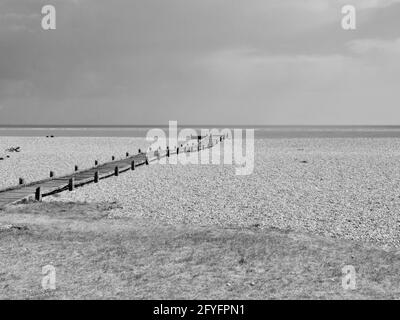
column 260, row 131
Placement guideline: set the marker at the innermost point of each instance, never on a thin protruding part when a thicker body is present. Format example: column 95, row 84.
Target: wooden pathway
column 37, row 190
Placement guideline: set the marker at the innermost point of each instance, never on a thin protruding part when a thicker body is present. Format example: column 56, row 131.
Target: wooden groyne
column 43, row 188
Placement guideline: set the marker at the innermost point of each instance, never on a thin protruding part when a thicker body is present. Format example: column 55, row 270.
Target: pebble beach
column 337, row 187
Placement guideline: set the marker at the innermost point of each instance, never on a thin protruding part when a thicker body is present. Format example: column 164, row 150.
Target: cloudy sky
column 200, row 62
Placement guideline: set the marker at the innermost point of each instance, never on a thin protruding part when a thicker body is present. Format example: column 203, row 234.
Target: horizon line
column 190, row 125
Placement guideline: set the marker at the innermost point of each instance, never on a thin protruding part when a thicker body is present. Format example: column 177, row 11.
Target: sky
column 139, row 62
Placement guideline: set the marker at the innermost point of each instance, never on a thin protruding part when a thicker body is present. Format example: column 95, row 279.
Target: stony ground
column 341, row 188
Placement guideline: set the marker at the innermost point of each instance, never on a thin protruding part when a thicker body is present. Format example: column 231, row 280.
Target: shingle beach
column 340, row 187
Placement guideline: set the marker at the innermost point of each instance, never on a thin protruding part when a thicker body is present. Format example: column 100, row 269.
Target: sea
column 260, row 131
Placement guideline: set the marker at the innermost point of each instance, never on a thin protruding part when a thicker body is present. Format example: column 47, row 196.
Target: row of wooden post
column 71, row 182
column 96, row 163
column 52, row 174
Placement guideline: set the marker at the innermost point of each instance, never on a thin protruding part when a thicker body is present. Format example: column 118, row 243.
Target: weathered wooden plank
column 80, row 178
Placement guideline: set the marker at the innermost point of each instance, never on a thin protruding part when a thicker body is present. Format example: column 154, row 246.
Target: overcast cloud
column 199, row 62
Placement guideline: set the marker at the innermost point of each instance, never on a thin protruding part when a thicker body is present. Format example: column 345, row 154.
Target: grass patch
column 100, row 258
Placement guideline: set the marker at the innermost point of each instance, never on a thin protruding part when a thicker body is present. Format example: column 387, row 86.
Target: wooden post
column 116, row 171
column 147, row 161
column 71, row 184
column 139, row 151
column 167, row 152
column 51, row 174
column 21, row 181
column 113, row 158
column 133, row 165
column 127, row 154
column 177, row 150
column 76, row 168
column 38, row 194
column 96, row 163
column 96, row 177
